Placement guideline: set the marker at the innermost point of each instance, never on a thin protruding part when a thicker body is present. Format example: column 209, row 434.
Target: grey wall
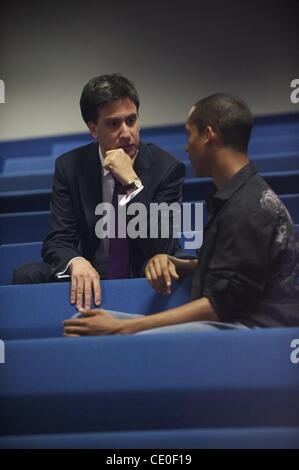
column 175, row 55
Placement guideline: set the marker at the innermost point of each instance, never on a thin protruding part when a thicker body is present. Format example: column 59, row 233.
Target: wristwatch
column 135, row 184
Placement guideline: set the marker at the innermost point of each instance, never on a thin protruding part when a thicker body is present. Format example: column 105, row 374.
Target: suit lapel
column 143, row 162
column 90, row 185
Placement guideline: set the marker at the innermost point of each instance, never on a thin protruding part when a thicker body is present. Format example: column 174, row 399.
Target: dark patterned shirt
column 249, row 261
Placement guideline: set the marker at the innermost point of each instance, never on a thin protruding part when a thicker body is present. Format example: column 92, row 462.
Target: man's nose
column 125, row 131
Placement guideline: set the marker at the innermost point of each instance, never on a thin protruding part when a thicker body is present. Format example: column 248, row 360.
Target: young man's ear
column 210, row 135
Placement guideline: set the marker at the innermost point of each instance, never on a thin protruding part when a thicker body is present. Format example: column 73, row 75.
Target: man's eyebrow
column 118, row 118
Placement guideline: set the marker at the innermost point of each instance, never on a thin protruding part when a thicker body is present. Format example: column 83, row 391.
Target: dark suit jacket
column 77, row 189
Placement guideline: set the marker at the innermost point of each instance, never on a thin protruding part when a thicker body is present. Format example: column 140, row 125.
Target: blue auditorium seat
column 29, row 182
column 273, row 144
column 259, row 148
column 29, row 165
column 282, row 162
column 266, row 163
column 24, row 227
column 273, row 126
column 59, row 149
column 25, row 200
column 232, row 379
column 16, row 254
column 284, row 182
column 191, row 438
column 165, row 137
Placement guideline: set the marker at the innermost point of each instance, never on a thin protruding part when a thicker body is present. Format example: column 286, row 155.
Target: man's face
column 117, row 127
column 197, row 150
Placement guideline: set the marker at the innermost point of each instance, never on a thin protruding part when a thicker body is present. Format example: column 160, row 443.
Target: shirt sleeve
column 62, row 274
column 238, row 270
column 128, row 198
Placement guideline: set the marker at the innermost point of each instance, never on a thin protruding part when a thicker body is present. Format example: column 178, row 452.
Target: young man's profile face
column 117, row 127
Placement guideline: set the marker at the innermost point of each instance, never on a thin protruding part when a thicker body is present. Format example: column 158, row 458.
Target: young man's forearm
column 197, row 310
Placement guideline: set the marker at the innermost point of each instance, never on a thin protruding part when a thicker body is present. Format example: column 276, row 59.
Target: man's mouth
column 128, row 147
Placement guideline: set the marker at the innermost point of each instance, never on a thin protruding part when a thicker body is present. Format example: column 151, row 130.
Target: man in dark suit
column 94, row 174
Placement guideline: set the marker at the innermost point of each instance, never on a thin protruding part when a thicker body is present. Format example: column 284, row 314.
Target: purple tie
column 118, row 264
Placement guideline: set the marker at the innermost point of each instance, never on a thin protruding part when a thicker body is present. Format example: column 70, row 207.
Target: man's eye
column 112, row 124
column 131, row 121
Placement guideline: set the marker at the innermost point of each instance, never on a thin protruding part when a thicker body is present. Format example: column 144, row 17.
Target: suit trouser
column 33, row 273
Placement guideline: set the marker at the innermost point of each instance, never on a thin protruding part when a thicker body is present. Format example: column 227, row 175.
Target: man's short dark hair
column 102, row 90
column 228, row 115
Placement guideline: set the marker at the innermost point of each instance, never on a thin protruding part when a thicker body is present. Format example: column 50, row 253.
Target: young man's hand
column 85, row 282
column 94, row 322
column 160, row 272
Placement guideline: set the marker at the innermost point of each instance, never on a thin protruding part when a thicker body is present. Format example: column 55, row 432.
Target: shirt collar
column 216, row 200
column 235, row 183
column 105, row 172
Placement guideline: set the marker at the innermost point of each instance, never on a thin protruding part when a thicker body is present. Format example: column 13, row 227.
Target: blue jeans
column 195, row 326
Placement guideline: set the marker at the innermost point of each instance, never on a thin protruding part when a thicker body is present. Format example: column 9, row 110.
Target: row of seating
column 264, row 126
column 270, row 135
column 55, row 390
column 17, row 254
column 228, row 390
column 39, row 178
column 276, row 437
column 278, row 150
column 284, row 182
column 34, row 225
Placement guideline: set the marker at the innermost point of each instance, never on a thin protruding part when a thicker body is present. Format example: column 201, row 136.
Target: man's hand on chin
column 121, row 165
column 97, row 322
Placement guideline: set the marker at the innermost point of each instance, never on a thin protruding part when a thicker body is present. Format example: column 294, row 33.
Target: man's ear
column 210, row 135
column 138, row 119
column 93, row 129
